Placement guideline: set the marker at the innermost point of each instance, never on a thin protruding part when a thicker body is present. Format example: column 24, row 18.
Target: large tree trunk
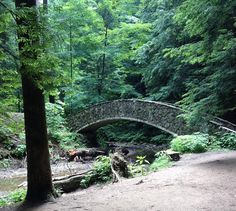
column 39, row 178
column 38, row 166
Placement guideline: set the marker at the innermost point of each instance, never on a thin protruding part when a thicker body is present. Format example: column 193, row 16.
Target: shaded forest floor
column 197, row 182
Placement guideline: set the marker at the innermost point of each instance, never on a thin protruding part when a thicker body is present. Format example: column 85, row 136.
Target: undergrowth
column 140, row 167
column 100, row 173
column 195, row 143
column 226, row 141
column 161, row 161
column 14, row 197
column 58, row 132
column 198, row 142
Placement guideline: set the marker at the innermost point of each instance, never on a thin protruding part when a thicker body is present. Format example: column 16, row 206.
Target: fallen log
column 85, row 154
column 66, row 184
column 70, row 183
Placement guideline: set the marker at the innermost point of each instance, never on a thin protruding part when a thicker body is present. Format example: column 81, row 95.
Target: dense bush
column 195, row 143
column 101, row 172
column 227, row 140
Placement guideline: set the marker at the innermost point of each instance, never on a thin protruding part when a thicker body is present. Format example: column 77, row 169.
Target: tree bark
column 38, row 166
column 39, row 177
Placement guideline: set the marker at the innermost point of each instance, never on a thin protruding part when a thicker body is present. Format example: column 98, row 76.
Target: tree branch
column 13, row 14
column 10, row 53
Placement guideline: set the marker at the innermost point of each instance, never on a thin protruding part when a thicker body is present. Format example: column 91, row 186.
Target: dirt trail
column 197, row 182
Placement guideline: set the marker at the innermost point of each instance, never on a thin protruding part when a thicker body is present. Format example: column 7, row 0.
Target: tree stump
column 119, row 167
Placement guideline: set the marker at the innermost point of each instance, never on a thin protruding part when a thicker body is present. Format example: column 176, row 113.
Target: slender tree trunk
column 39, row 178
column 71, row 64
column 71, row 53
column 101, row 78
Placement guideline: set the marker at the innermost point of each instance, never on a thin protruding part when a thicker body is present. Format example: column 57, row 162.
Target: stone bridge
column 160, row 115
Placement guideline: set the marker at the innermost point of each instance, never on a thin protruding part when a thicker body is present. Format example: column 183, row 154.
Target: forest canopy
column 177, row 51
column 70, row 54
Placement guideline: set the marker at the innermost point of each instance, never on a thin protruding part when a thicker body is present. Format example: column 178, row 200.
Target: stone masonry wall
column 163, row 116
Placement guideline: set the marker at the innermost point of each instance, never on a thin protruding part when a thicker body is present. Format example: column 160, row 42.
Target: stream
column 12, row 178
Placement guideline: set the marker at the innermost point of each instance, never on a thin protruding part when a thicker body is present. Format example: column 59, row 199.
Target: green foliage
column 195, row 143
column 14, row 197
column 4, row 163
column 161, row 161
column 125, row 131
column 214, row 144
column 101, row 172
column 11, row 140
column 190, row 56
column 58, row 132
column 139, row 167
column 19, row 152
column 227, row 141
column 9, row 79
column 11, row 124
column 140, row 160
column 203, row 142
column 104, row 40
column 163, row 76
column 92, row 51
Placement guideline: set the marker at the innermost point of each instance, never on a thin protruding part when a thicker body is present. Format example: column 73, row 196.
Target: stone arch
column 160, row 115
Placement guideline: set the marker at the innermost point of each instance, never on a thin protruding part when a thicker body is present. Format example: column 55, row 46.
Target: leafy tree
column 163, row 76
column 190, row 58
column 9, row 80
column 211, row 24
column 105, row 45
column 32, row 69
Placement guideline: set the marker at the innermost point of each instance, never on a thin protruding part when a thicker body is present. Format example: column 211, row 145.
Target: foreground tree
column 40, row 186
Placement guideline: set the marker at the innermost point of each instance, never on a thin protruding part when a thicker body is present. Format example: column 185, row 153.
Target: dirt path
column 197, row 182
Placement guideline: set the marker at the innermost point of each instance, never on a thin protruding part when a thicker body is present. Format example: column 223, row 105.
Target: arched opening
column 131, row 138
